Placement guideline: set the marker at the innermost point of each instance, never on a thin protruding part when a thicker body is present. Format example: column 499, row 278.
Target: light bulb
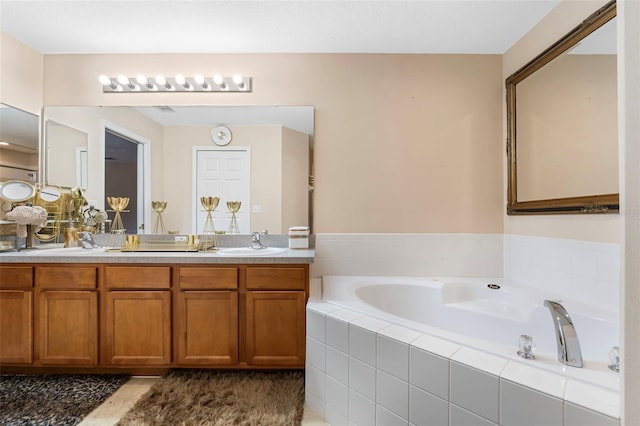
column 142, row 79
column 180, row 79
column 237, row 79
column 217, row 79
column 199, row 79
column 123, row 79
column 104, row 80
column 161, row 80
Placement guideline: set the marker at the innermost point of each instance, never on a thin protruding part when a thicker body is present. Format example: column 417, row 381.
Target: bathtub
column 484, row 314
column 405, row 350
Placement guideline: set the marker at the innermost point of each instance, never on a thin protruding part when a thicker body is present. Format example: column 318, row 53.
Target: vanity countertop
column 58, row 254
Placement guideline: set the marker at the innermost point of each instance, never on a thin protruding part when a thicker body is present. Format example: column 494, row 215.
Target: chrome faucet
column 256, row 243
column 569, row 352
column 86, row 240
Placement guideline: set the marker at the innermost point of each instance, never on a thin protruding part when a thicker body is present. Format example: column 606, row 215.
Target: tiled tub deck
column 364, row 371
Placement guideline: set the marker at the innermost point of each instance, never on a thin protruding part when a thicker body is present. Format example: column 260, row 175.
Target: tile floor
column 124, row 398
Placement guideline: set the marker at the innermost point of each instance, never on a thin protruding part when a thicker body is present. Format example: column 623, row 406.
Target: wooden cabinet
column 146, row 317
column 207, row 316
column 16, row 327
column 16, row 314
column 137, row 315
column 275, row 328
column 275, row 315
column 67, row 325
column 207, row 328
column 137, row 328
column 267, row 330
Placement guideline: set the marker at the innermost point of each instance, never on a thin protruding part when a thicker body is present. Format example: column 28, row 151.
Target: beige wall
column 403, row 143
column 603, row 228
column 21, row 75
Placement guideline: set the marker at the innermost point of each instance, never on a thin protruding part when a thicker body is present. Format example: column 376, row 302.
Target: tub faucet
column 566, row 337
column 86, row 240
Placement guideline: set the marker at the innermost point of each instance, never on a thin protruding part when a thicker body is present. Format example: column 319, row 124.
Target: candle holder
column 159, row 207
column 233, row 207
column 208, row 241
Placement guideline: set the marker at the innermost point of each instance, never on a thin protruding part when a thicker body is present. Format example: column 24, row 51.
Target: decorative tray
column 159, row 246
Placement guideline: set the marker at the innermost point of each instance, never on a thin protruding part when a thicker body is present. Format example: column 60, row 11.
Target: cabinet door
column 275, row 333
column 16, row 327
column 138, row 328
column 207, row 327
column 68, row 327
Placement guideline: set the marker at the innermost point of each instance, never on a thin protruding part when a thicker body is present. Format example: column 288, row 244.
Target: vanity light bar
column 179, row 83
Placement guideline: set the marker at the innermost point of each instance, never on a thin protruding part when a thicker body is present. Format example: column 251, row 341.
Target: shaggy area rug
column 207, row 397
column 59, row 400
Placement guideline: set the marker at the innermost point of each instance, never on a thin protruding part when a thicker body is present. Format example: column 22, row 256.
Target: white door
column 223, row 173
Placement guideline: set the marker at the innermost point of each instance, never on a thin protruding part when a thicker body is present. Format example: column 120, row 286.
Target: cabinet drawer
column 274, row 278
column 68, row 277
column 205, row 278
column 16, row 277
column 138, row 276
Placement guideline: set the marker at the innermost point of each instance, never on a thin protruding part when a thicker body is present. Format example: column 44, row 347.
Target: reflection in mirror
column 19, row 142
column 277, row 138
column 17, row 191
column 562, row 124
column 66, row 147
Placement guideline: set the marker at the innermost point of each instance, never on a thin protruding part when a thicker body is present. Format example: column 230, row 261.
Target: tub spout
column 569, row 352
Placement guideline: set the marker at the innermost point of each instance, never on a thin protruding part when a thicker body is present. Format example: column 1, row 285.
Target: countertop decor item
column 208, row 240
column 159, row 207
column 118, row 205
column 233, row 207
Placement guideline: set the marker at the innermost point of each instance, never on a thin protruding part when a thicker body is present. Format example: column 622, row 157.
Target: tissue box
column 299, row 237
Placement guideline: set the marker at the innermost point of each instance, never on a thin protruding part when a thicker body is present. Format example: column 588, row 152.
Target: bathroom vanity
column 140, row 312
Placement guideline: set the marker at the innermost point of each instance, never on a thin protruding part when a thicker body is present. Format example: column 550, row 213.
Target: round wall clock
column 221, row 135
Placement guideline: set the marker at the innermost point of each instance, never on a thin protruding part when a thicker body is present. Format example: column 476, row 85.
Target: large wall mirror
column 19, row 144
column 562, row 124
column 277, row 141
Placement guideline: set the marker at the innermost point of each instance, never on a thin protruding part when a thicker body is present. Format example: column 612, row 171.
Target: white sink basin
column 61, row 251
column 248, row 251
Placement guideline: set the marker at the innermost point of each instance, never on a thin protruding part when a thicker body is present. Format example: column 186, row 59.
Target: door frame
column 194, row 176
column 144, row 171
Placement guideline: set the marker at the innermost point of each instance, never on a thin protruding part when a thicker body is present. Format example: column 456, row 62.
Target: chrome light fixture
column 179, row 83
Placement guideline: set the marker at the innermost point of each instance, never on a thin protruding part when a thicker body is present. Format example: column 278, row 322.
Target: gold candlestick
column 159, row 207
column 208, row 242
column 118, row 205
column 233, row 207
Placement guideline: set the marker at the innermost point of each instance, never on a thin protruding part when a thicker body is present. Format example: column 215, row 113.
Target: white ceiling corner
column 304, row 26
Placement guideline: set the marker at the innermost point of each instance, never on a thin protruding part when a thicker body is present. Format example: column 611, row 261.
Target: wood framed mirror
column 562, row 148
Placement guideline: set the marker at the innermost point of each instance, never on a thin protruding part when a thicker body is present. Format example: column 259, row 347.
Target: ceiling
column 217, row 26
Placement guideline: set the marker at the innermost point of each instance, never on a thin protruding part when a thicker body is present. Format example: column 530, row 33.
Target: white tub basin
column 248, row 251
